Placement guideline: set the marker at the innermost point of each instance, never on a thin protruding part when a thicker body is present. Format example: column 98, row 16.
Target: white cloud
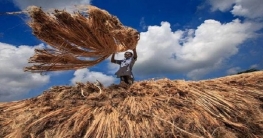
column 50, row 4
column 222, row 5
column 143, row 24
column 233, row 70
column 255, row 66
column 246, row 8
column 14, row 81
column 195, row 52
column 84, row 75
column 250, row 9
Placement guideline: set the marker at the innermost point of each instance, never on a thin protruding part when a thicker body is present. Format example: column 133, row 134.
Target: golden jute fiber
column 77, row 40
column 228, row 107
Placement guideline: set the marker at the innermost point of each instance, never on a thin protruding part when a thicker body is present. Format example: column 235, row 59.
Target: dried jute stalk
column 77, row 41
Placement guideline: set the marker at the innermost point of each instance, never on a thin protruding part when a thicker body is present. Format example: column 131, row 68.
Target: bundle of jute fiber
column 226, row 107
column 77, row 40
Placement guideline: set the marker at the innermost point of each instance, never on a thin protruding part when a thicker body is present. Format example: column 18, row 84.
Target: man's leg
column 122, row 79
column 130, row 79
column 126, row 79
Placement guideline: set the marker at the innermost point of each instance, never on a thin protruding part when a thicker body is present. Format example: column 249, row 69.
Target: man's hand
column 134, row 53
column 113, row 58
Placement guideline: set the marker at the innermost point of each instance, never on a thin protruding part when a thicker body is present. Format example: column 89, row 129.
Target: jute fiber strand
column 227, row 107
column 77, row 41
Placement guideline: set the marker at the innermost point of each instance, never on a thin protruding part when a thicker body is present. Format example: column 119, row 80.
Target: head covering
column 129, row 51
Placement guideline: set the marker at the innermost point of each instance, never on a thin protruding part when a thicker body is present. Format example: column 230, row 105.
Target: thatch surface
column 225, row 107
column 77, row 41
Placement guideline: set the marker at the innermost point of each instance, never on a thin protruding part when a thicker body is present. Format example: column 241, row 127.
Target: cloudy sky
column 182, row 39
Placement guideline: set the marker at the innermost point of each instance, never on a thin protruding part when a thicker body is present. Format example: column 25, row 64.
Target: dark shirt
column 125, row 67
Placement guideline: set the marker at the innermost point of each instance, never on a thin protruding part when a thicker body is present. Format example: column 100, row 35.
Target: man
column 125, row 70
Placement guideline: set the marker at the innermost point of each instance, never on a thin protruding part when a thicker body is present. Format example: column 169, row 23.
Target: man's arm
column 134, row 53
column 113, row 58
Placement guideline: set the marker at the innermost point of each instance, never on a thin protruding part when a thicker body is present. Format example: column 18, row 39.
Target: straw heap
column 229, row 107
column 77, row 41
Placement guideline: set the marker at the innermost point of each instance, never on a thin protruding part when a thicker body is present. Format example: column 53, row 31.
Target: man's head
column 128, row 54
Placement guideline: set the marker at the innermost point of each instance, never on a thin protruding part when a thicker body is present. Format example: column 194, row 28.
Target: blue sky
column 182, row 39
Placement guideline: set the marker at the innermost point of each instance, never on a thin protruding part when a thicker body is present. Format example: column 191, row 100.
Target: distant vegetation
column 247, row 71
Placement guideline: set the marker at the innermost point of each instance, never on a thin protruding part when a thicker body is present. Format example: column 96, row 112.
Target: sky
column 179, row 40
